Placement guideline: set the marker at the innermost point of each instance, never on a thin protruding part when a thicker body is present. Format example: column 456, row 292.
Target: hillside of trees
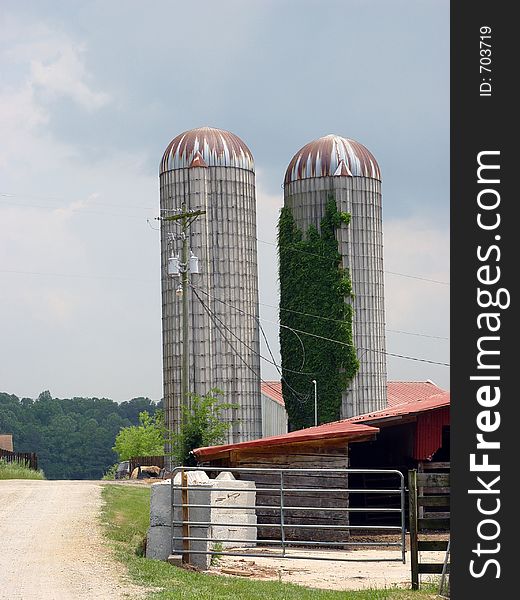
column 73, row 437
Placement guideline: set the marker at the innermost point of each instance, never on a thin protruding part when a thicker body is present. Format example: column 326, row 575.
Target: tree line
column 73, row 437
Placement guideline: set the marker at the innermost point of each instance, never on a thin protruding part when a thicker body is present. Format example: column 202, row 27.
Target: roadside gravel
column 51, row 546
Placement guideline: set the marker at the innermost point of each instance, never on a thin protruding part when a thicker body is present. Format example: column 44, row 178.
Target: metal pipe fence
column 290, row 511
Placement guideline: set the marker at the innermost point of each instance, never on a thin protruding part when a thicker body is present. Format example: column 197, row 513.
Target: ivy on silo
column 313, row 284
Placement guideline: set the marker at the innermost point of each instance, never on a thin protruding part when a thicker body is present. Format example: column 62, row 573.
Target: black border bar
column 484, row 128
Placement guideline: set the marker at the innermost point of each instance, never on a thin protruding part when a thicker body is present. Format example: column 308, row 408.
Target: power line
column 298, row 312
column 151, row 281
column 237, row 338
column 417, row 277
column 425, row 335
column 125, row 206
column 295, row 393
column 394, row 354
column 233, row 349
column 333, row 259
column 77, row 276
column 75, row 210
column 60, row 199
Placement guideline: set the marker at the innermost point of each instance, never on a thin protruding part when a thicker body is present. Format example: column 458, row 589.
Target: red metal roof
column 354, row 427
column 273, row 390
column 338, row 429
column 399, row 392
column 409, row 408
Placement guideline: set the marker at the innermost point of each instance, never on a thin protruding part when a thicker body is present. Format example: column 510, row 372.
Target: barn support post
column 414, row 552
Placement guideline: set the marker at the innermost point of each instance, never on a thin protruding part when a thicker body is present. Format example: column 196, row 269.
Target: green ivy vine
column 313, row 284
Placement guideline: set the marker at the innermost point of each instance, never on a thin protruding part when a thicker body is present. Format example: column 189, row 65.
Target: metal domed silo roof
column 206, row 146
column 332, row 155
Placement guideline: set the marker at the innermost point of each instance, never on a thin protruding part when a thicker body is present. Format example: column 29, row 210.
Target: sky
column 92, row 92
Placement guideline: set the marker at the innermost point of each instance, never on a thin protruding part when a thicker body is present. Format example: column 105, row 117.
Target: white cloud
column 62, row 73
column 417, row 247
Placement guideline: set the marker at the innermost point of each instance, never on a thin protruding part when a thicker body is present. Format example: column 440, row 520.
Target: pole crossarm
column 190, row 214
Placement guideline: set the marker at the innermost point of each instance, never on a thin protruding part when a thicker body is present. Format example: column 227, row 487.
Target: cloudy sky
column 91, row 92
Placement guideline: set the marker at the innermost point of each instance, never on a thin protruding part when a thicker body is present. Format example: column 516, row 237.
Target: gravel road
column 51, row 546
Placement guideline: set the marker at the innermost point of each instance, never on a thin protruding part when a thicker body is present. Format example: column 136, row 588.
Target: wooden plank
column 434, row 466
column 292, row 450
column 432, row 568
column 441, row 524
column 329, row 456
column 436, row 515
column 436, row 491
column 432, row 545
column 433, row 479
column 433, row 501
column 414, row 552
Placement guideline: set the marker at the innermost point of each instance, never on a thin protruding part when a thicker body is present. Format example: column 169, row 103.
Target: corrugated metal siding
column 274, row 417
column 361, row 246
column 224, row 239
column 428, row 434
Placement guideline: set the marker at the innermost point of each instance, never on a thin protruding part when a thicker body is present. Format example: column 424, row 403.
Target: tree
column 201, row 426
column 73, row 437
column 145, row 439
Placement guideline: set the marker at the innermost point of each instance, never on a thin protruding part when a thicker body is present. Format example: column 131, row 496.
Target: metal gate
column 208, row 520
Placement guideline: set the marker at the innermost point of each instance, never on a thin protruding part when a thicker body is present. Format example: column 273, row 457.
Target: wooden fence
column 434, row 502
column 25, row 458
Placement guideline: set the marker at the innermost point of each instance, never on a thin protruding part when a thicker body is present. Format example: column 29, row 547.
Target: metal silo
column 344, row 168
column 212, row 171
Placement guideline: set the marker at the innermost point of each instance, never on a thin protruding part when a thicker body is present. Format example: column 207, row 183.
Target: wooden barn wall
column 298, row 458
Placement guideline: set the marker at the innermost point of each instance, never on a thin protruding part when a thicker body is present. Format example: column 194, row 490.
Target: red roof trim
column 339, row 429
column 410, row 408
column 273, row 390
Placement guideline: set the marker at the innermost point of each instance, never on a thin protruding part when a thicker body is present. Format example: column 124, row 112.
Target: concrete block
column 194, row 478
column 200, row 561
column 225, row 476
column 159, row 543
column 160, row 504
column 222, row 511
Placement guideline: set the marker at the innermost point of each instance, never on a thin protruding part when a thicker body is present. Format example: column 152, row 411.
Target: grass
column 17, row 470
column 125, row 519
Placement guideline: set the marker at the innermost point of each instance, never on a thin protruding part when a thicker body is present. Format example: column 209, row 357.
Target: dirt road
column 51, row 545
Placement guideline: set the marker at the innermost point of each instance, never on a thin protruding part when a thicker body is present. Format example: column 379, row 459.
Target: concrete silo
column 212, row 170
column 333, row 166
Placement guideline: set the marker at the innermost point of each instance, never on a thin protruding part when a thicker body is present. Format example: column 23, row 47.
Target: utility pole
column 186, row 218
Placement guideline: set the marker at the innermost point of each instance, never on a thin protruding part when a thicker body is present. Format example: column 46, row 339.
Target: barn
column 411, row 431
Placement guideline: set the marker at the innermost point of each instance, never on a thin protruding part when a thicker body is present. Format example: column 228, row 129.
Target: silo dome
column 206, row 147
column 332, row 155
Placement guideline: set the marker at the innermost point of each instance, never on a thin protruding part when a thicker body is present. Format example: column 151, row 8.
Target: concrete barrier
column 218, row 509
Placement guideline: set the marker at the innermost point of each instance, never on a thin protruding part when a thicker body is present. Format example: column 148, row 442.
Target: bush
column 16, row 470
column 201, row 426
column 145, row 439
column 110, row 473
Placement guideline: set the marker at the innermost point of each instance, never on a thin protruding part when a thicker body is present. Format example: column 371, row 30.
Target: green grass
column 125, row 518
column 18, row 471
